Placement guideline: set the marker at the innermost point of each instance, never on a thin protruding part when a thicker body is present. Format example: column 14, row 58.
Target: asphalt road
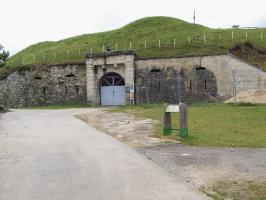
column 51, row 155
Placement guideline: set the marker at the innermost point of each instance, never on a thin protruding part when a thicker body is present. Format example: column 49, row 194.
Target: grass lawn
column 61, row 106
column 224, row 125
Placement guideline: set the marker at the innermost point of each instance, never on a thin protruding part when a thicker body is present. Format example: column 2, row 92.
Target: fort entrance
column 110, row 77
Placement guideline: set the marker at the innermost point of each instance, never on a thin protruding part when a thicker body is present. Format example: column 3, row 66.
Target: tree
column 3, row 56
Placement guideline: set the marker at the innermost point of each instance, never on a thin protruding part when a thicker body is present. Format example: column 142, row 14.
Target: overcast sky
column 25, row 22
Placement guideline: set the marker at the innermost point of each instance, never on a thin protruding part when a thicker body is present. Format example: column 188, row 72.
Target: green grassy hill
column 189, row 41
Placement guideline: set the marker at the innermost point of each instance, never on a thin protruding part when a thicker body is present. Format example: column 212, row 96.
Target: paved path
column 205, row 166
column 49, row 154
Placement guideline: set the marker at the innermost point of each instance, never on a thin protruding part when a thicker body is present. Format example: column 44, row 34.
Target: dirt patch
column 134, row 131
column 251, row 96
column 250, row 53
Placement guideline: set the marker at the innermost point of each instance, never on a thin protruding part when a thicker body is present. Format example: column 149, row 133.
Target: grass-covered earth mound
column 190, row 39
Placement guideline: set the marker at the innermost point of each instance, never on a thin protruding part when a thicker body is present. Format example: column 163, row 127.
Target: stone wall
column 46, row 86
column 155, row 80
column 194, row 78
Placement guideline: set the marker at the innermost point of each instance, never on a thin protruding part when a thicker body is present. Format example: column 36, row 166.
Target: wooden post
column 183, row 120
column 166, row 121
column 234, row 85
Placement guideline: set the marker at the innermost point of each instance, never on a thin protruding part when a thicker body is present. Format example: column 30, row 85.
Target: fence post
column 174, row 42
column 188, row 38
column 204, row 38
column 116, row 46
column 130, row 45
column 103, row 48
column 54, row 55
column 91, row 50
column 159, row 43
column 33, row 57
column 79, row 51
column 261, row 36
column 232, row 35
column 246, row 35
column 145, row 44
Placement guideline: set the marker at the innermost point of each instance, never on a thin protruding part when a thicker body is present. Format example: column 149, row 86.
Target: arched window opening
column 38, row 78
column 70, row 75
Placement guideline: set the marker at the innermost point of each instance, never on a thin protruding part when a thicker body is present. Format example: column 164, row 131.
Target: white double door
column 113, row 91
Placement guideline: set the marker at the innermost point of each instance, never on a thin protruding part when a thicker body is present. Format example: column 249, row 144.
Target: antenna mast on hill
column 194, row 17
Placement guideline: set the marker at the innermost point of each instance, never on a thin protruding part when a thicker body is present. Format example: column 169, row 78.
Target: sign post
column 183, row 119
column 166, row 121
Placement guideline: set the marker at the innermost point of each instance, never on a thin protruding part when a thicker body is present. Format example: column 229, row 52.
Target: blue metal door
column 113, row 91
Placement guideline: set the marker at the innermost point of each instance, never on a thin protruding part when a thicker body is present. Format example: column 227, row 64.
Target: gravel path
column 203, row 166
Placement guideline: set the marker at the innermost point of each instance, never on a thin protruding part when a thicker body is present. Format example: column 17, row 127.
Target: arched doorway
column 112, row 90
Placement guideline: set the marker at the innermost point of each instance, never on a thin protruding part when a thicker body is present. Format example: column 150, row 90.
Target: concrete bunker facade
column 144, row 82
column 170, row 80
